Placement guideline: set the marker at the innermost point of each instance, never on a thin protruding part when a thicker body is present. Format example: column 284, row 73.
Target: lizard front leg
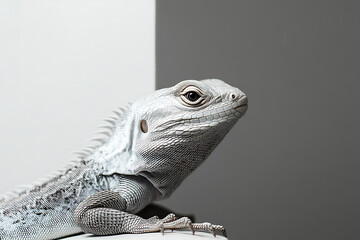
column 104, row 213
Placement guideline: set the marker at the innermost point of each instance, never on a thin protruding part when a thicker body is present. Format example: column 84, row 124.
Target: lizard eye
column 192, row 96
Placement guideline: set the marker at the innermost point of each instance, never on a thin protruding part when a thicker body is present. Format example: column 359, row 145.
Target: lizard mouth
column 242, row 105
column 243, row 102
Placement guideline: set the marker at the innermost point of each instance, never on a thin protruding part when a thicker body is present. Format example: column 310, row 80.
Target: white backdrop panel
column 64, row 66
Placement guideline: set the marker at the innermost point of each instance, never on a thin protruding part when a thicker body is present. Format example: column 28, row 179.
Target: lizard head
column 165, row 136
column 175, row 129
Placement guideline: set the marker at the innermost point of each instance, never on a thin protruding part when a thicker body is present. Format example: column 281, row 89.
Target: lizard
column 151, row 147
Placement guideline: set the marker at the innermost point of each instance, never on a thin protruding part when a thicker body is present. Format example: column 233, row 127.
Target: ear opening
column 143, row 126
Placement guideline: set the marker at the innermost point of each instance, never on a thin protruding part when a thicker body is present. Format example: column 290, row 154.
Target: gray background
column 290, row 168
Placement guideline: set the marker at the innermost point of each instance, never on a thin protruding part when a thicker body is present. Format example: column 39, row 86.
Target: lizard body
column 151, row 147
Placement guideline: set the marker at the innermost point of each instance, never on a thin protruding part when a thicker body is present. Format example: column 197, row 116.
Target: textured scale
column 151, row 146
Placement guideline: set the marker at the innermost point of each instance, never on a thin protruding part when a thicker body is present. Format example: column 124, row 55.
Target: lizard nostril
column 233, row 96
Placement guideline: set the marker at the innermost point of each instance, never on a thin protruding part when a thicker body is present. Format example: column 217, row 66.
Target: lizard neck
column 116, row 155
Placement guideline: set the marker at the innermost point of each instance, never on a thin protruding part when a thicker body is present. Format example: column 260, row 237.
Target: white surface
column 176, row 235
column 64, row 66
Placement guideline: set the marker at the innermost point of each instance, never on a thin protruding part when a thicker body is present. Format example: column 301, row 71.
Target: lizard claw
column 210, row 228
column 192, row 229
column 220, row 229
column 162, row 229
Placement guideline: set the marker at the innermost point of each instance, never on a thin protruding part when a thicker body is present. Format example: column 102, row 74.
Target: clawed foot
column 171, row 222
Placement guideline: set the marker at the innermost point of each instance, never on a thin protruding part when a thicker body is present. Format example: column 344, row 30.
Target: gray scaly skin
column 152, row 146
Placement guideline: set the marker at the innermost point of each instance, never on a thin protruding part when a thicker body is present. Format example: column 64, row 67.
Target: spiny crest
column 104, row 134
